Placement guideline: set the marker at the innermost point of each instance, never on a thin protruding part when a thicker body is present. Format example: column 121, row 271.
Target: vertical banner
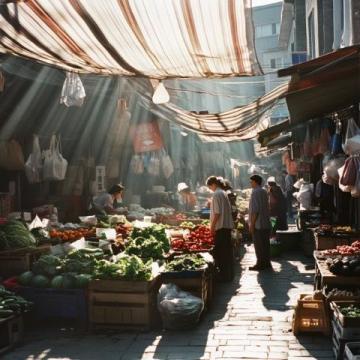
column 147, row 137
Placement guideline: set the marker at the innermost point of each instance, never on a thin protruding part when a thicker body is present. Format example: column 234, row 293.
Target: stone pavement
column 249, row 319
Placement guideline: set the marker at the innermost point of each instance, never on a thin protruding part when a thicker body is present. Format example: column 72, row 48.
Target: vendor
column 188, row 199
column 108, row 202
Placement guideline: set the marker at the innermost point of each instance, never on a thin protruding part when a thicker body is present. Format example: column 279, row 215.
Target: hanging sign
column 147, row 137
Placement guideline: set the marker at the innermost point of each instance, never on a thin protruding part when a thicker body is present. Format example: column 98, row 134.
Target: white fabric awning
column 152, row 38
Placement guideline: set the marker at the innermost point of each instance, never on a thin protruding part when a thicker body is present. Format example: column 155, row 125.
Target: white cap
column 182, row 186
column 271, row 179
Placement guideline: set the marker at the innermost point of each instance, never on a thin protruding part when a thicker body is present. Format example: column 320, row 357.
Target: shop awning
column 241, row 123
column 272, row 132
column 323, row 85
column 156, row 39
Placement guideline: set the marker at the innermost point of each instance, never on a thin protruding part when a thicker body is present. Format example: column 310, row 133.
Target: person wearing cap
column 187, row 198
column 259, row 223
column 108, row 201
column 277, row 205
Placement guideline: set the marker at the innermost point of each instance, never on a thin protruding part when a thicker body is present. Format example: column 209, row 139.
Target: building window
column 273, row 63
column 267, row 30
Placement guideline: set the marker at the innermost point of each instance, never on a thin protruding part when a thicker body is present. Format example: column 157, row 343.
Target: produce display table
column 324, row 277
column 325, row 242
column 11, row 332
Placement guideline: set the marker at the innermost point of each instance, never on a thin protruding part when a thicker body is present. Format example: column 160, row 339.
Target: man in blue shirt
column 259, row 223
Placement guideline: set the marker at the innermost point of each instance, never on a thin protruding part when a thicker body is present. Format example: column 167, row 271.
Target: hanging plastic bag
column 349, row 172
column 154, row 166
column 355, row 192
column 352, row 139
column 73, row 92
column 33, row 165
column 344, row 188
column 55, row 165
column 324, row 141
column 179, row 310
column 331, row 168
column 167, row 166
column 137, row 165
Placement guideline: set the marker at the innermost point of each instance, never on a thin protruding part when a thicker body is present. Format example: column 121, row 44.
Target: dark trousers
column 262, row 246
column 224, row 254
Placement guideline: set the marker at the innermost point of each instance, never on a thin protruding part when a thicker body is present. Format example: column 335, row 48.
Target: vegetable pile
column 186, row 262
column 353, row 249
column 126, row 268
column 14, row 235
column 346, row 266
column 157, row 231
column 10, row 304
column 352, row 311
column 74, row 271
column 333, row 293
column 146, row 247
column 199, row 239
column 72, row 235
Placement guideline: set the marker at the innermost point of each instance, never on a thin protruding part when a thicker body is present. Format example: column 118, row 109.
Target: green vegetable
column 187, row 225
column 57, row 282
column 351, row 311
column 145, row 247
column 12, row 304
column 26, row 278
column 40, row 281
column 82, row 280
column 14, row 234
column 186, row 262
column 69, row 281
column 157, row 231
column 48, row 265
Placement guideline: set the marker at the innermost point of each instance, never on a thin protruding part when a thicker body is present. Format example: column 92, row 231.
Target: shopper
column 232, row 198
column 188, row 199
column 277, row 205
column 107, row 202
column 289, row 190
column 221, row 224
column 259, row 223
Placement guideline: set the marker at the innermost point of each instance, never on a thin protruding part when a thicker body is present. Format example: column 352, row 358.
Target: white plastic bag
column 137, row 165
column 55, row 165
column 33, row 165
column 154, row 166
column 73, row 92
column 178, row 309
column 344, row 188
column 355, row 192
column 352, row 139
column 167, row 166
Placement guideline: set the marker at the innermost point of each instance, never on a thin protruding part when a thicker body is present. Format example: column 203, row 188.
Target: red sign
column 147, row 137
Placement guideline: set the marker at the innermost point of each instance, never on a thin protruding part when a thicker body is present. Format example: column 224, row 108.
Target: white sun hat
column 271, row 179
column 182, row 186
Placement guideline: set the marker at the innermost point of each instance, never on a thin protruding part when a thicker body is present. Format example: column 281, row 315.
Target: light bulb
column 160, row 96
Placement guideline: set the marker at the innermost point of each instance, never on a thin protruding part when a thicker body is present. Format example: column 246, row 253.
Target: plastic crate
column 57, row 303
column 338, row 346
column 352, row 351
column 311, row 316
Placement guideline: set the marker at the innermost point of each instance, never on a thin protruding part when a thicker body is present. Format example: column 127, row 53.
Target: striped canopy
column 152, row 38
column 240, row 123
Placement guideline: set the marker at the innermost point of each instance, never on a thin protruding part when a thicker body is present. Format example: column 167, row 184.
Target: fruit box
column 343, row 320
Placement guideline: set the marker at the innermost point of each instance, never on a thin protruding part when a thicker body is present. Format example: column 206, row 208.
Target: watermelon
column 82, row 280
column 40, row 281
column 26, row 278
column 69, row 281
column 57, row 282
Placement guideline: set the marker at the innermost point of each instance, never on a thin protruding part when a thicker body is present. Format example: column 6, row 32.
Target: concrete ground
column 249, row 319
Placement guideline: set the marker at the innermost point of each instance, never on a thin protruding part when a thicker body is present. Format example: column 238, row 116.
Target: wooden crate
column 15, row 262
column 117, row 304
column 11, row 332
column 311, row 316
column 352, row 349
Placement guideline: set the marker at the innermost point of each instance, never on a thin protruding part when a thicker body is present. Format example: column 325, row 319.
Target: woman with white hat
column 187, row 198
